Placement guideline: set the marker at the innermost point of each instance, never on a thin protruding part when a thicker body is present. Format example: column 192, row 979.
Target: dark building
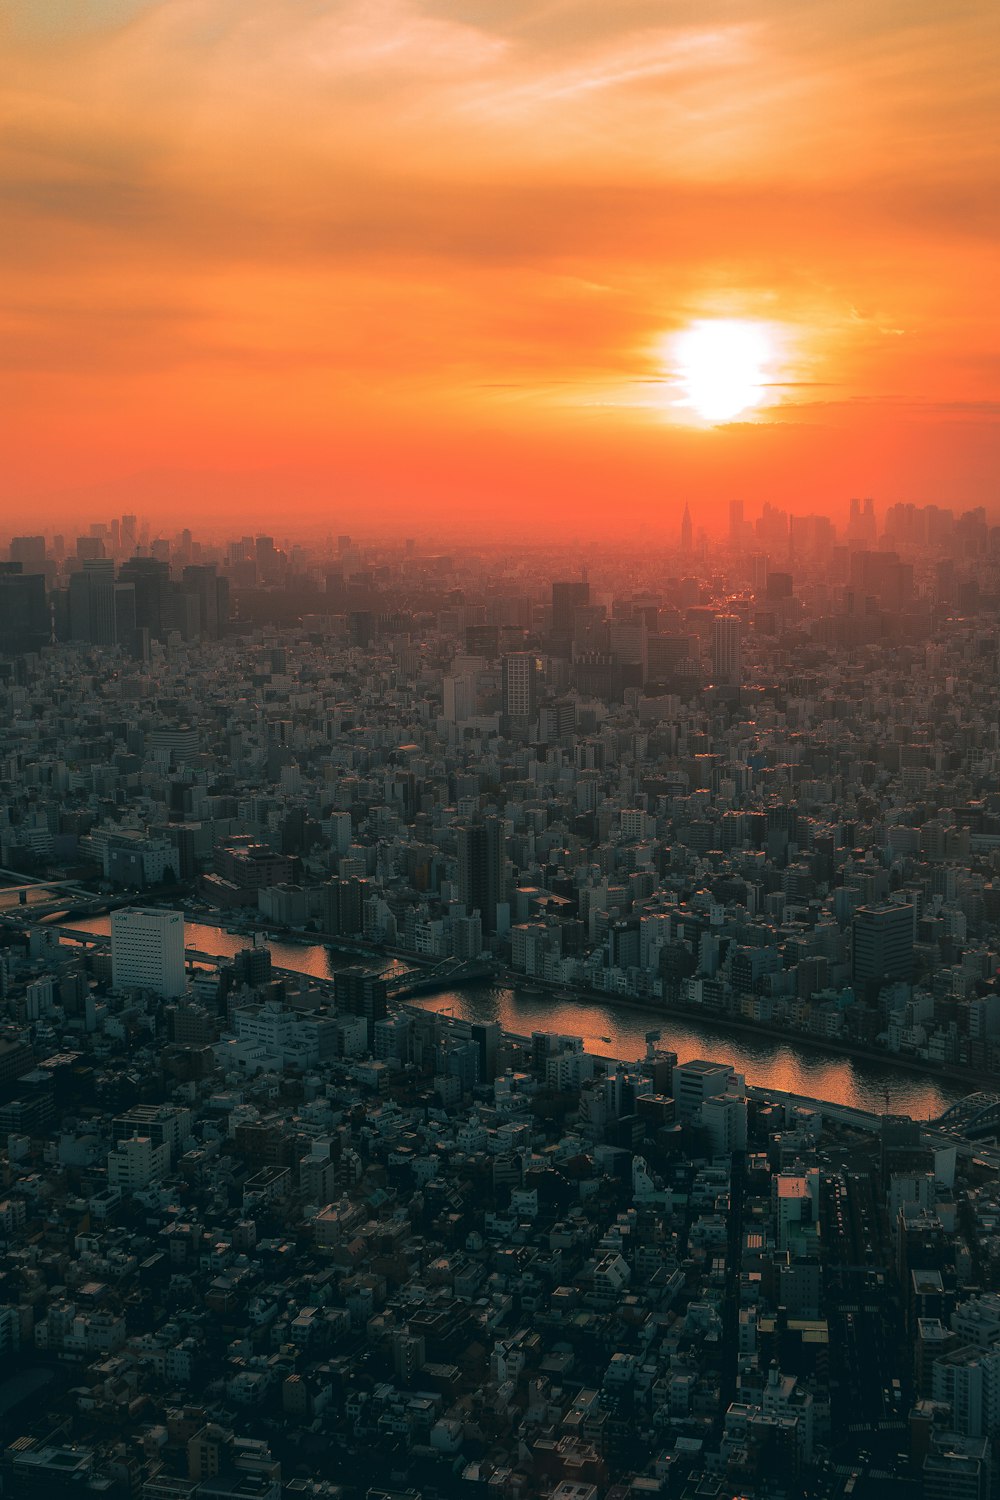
column 252, row 966
column 202, row 582
column 883, row 943
column 567, row 598
column 362, row 992
column 101, row 610
column 24, row 613
column 153, row 603
column 343, row 906
column 480, row 869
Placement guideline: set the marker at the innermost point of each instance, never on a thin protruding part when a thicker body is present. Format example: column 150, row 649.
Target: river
column 619, row 1030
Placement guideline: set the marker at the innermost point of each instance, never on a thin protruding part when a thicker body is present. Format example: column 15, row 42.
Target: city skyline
column 495, row 267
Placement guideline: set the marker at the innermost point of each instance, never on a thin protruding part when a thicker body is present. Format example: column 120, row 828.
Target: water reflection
column 768, row 1063
column 620, row 1031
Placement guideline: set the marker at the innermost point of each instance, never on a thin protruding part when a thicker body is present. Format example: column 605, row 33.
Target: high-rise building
column 362, row 992
column 201, row 580
column 883, row 943
column 147, row 951
column 28, row 550
column 153, row 601
column 480, row 869
column 567, row 598
column 519, row 672
column 24, row 613
column 687, row 530
column 101, row 610
column 726, row 637
column 459, row 690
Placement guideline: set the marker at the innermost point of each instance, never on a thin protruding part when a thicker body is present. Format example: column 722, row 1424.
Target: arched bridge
column 974, row 1116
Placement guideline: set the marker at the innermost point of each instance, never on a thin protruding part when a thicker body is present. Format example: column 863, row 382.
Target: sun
column 722, row 365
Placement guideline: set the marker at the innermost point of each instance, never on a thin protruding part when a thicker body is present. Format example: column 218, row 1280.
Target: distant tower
column 736, row 522
column 567, row 598
column 687, row 531
column 726, row 665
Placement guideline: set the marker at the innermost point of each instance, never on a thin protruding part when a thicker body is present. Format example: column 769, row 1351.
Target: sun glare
column 722, row 366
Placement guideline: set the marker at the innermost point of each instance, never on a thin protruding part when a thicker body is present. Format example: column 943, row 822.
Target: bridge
column 451, row 971
column 68, row 894
column 974, row 1117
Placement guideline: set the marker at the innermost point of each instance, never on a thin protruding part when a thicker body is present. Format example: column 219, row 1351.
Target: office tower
column 482, row 640
column 267, row 559
column 735, row 522
column 127, row 535
column 567, row 598
column 687, row 531
column 91, row 603
column 883, row 943
column 486, row 1035
column 147, row 951
column 460, row 697
column 519, row 677
column 24, row 614
column 344, row 905
column 28, row 550
column 862, row 525
column 89, row 548
column 153, row 602
column 726, row 665
column 361, row 627
column 480, row 869
column 101, row 610
column 212, row 593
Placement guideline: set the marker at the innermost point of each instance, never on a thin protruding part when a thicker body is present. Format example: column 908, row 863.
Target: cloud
column 412, row 201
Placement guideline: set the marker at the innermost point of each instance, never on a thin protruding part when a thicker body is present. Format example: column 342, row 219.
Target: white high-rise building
column 147, row 951
column 519, row 683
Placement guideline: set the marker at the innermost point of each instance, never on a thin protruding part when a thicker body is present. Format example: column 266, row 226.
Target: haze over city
column 499, row 750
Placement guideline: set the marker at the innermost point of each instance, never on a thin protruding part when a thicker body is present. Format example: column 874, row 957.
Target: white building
column 147, row 951
column 136, row 1163
column 724, row 1116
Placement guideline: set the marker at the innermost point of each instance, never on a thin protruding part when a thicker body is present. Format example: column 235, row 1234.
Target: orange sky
column 422, row 259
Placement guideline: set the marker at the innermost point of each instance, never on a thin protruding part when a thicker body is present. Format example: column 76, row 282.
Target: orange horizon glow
column 451, row 262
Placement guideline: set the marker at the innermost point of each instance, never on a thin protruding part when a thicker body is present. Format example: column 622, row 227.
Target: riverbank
column 724, row 1022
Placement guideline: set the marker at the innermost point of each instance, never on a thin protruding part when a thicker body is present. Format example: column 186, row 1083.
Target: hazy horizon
column 538, row 262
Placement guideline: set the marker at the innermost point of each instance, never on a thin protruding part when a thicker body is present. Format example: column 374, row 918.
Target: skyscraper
column 147, row 951
column 687, row 531
column 480, row 869
column 153, row 602
column 726, row 664
column 519, row 672
column 567, row 598
column 101, row 610
column 24, row 614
